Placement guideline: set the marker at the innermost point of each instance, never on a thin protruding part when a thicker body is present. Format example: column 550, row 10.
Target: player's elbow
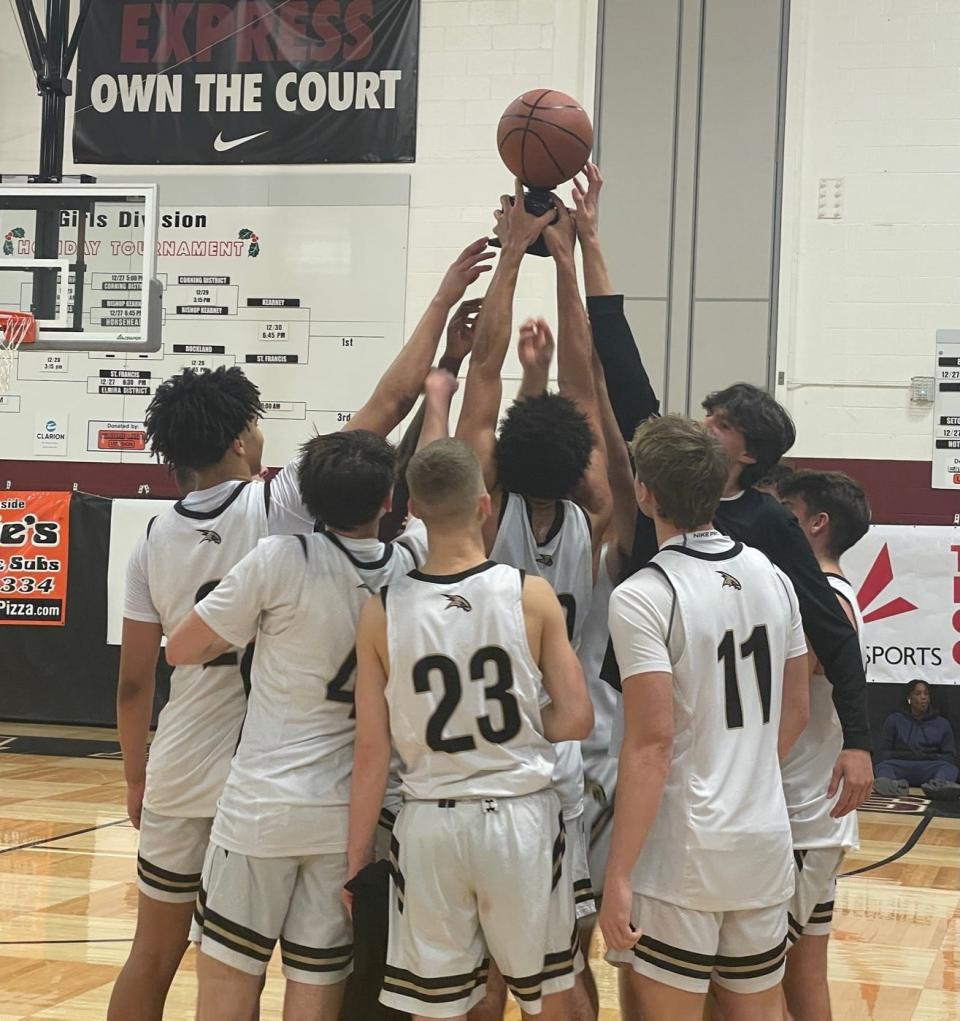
column 571, row 719
column 131, row 684
column 176, row 651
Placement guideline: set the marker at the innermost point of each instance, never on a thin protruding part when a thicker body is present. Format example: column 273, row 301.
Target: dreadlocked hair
column 194, row 417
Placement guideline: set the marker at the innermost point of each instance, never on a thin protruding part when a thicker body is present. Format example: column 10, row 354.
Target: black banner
column 248, row 81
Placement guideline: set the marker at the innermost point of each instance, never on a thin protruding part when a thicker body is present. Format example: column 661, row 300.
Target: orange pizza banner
column 34, row 558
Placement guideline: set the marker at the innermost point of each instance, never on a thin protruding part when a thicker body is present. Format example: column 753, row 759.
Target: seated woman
column 917, row 745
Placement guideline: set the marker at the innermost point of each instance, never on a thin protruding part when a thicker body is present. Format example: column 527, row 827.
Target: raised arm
column 459, row 344
column 398, row 389
column 517, row 230
column 623, row 522
column 575, row 366
column 371, row 756
column 631, row 393
column 535, row 347
column 438, row 393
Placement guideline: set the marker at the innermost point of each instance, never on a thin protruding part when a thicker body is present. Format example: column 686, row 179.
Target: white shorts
column 170, row 857
column 811, row 907
column 246, row 903
column 475, row 879
column 576, row 864
column 600, row 774
column 743, row 951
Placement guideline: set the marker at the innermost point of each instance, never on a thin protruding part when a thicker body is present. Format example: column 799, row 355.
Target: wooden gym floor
column 68, row 903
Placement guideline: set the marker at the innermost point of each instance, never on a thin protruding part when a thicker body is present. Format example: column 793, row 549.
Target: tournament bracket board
column 307, row 298
column 946, row 412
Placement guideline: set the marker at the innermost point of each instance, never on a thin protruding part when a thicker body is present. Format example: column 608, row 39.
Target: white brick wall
column 874, row 99
column 475, row 56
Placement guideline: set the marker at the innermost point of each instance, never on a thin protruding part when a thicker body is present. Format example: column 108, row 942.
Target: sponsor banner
column 34, row 557
column 907, row 580
column 50, row 436
column 116, row 436
column 244, row 81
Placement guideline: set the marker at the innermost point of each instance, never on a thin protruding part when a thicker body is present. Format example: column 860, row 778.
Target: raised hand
column 515, row 227
column 464, row 270
column 586, row 202
column 440, row 386
column 536, row 345
column 460, row 329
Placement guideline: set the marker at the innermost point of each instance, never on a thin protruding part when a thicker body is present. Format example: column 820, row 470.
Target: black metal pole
column 54, row 89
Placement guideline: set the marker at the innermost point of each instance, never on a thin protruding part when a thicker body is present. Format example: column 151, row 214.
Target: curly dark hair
column 195, row 416
column 346, row 477
column 768, row 430
column 834, row 494
column 544, row 447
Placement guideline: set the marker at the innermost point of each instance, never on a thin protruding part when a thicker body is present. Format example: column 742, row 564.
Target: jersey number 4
column 757, row 646
column 453, row 691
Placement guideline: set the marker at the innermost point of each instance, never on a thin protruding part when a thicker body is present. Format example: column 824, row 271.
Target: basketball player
column 449, row 667
column 715, row 686
column 599, row 764
column 277, row 860
column 758, row 432
column 547, row 454
column 208, row 422
column 834, row 514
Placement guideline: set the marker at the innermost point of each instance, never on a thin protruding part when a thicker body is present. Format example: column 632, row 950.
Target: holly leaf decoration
column 253, row 251
column 245, row 233
column 8, row 248
column 18, row 232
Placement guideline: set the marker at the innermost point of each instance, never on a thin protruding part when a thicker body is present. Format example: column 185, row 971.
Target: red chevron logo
column 878, row 578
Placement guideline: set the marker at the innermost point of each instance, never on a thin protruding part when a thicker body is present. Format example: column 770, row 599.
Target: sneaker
column 941, row 790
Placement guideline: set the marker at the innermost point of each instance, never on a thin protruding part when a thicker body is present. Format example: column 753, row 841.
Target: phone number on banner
column 34, row 557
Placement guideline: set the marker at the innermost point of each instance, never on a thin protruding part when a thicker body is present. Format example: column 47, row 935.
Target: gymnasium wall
column 868, row 275
column 475, row 56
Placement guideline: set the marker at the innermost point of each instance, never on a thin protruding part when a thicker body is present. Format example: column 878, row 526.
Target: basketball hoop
column 17, row 328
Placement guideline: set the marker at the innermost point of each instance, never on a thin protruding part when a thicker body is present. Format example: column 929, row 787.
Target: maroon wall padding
column 899, row 491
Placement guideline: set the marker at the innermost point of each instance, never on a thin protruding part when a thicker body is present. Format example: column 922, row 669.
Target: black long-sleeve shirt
column 754, row 518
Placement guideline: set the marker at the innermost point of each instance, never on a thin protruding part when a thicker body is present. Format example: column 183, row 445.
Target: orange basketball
column 544, row 138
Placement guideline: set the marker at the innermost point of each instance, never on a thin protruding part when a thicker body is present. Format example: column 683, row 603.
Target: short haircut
column 768, row 431
column 911, row 685
column 445, row 480
column 194, row 417
column 776, row 476
column 837, row 495
column 346, row 477
column 683, row 466
column 544, row 447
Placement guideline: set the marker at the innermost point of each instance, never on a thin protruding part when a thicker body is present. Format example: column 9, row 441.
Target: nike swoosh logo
column 221, row 146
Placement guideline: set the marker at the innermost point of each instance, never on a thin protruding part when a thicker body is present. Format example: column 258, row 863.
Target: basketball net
column 17, row 328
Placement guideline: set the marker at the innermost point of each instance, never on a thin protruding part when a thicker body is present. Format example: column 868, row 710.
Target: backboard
column 82, row 258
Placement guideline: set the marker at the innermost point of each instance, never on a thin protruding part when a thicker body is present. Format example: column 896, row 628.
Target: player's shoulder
column 649, row 584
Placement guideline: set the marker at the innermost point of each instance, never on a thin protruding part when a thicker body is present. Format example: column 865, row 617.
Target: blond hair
column 684, row 467
column 445, row 480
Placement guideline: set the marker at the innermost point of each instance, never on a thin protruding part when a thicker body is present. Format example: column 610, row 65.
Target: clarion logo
column 878, row 578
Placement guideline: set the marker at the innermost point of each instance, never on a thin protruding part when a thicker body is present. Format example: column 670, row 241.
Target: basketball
column 544, row 138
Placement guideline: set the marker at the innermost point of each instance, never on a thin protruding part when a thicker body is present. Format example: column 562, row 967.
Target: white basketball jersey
column 593, row 649
column 721, row 837
column 464, row 691
column 188, row 552
column 809, row 764
column 565, row 559
column 288, row 789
